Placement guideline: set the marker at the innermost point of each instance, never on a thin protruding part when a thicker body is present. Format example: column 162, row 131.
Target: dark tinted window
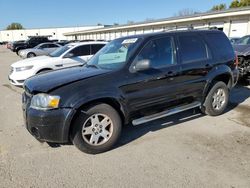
column 43, row 46
column 52, row 46
column 221, row 45
column 192, row 48
column 95, row 48
column 81, row 50
column 160, row 52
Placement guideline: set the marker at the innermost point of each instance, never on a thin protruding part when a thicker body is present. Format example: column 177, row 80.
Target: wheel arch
column 222, row 73
column 44, row 69
column 81, row 107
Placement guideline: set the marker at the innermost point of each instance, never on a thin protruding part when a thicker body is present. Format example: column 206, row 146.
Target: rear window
column 221, row 46
column 192, row 48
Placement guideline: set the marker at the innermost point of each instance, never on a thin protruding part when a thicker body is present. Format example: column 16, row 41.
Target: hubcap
column 97, row 129
column 219, row 99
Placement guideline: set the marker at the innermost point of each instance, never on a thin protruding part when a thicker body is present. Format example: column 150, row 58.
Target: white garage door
column 238, row 28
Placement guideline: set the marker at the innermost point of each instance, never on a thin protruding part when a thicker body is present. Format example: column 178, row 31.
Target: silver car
column 41, row 49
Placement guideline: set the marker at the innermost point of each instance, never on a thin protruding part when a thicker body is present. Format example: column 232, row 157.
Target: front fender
column 100, row 97
column 116, row 96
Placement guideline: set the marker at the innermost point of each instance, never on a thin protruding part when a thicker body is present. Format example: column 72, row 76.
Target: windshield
column 243, row 41
column 115, row 54
column 59, row 51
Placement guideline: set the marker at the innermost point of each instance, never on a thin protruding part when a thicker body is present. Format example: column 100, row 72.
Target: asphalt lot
column 185, row 150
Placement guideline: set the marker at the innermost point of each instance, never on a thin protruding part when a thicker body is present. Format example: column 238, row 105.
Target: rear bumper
column 235, row 76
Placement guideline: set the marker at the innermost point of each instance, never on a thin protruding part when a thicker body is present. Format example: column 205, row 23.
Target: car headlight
column 24, row 68
column 44, row 101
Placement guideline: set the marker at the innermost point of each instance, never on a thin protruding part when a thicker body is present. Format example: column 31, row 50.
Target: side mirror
column 69, row 55
column 142, row 65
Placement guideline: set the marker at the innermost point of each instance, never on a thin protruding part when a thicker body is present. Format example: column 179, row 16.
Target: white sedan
column 73, row 54
column 40, row 49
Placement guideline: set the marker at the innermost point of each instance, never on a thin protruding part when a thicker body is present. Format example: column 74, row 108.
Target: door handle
column 168, row 74
column 171, row 73
column 208, row 65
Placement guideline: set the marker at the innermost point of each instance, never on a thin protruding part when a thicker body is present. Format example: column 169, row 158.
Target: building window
column 54, row 33
column 21, row 34
column 8, row 35
column 36, row 34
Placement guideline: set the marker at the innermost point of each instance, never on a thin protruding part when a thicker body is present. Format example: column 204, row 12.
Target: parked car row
column 134, row 79
column 40, row 49
column 72, row 54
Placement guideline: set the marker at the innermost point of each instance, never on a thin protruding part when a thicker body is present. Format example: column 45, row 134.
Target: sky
column 67, row 13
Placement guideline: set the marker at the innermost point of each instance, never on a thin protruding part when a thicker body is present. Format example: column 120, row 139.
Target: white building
column 234, row 22
column 55, row 33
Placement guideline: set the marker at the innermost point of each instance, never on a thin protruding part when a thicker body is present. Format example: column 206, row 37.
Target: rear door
column 196, row 61
column 50, row 48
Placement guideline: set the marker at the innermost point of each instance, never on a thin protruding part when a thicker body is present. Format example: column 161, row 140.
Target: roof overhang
column 169, row 21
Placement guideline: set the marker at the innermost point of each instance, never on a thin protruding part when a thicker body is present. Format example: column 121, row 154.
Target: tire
column 88, row 129
column 31, row 54
column 217, row 100
column 17, row 51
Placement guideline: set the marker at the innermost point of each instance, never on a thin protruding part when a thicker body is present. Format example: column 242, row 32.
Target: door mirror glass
column 142, row 65
column 69, row 55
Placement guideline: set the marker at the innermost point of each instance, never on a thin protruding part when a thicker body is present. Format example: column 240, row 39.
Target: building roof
column 171, row 20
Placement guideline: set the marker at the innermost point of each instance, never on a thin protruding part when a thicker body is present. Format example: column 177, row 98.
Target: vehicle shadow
column 237, row 96
column 130, row 133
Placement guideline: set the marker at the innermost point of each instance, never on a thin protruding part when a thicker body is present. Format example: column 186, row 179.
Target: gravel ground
column 185, row 150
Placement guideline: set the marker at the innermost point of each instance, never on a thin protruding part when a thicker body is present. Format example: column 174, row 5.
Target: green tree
column 241, row 3
column 219, row 7
column 235, row 4
column 244, row 3
column 14, row 26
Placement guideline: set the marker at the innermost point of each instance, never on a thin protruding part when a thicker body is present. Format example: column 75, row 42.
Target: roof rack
column 189, row 28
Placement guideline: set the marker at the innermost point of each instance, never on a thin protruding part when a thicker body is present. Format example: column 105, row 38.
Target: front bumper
column 18, row 78
column 50, row 125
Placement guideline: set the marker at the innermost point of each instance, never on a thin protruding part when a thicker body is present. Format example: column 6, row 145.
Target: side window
column 81, row 50
column 160, row 52
column 52, row 46
column 44, row 46
column 192, row 48
column 221, row 45
column 95, row 48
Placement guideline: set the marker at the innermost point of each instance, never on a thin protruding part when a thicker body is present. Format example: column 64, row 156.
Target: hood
column 43, row 83
column 31, row 61
column 243, row 50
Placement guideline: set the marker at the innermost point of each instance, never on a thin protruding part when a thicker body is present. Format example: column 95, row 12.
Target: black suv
column 132, row 79
column 30, row 43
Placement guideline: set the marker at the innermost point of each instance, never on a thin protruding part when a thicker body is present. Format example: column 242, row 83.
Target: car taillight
column 236, row 63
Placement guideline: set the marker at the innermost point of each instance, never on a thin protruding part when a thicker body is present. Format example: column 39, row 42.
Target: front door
column 156, row 87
